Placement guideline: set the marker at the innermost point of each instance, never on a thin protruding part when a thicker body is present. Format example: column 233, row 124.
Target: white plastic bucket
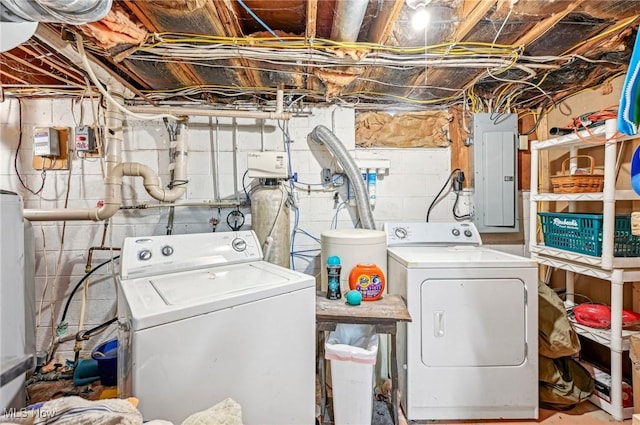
column 352, row 350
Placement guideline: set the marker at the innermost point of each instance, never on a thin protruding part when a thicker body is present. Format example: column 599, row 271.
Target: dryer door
column 473, row 322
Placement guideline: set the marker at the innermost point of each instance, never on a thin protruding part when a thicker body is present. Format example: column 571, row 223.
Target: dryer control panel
column 153, row 255
column 427, row 234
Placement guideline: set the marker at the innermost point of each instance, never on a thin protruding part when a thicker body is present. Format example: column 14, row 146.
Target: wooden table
column 384, row 314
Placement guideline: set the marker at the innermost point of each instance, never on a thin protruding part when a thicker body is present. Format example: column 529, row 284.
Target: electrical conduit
column 323, row 135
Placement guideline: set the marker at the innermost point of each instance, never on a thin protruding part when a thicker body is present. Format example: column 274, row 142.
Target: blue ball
column 354, row 297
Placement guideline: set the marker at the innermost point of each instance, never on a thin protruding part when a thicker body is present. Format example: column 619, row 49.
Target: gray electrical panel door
column 495, row 172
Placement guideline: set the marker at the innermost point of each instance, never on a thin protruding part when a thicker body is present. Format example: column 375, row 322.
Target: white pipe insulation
column 323, row 135
column 116, row 169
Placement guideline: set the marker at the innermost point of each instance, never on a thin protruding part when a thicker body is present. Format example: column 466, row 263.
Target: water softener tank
column 353, row 246
column 270, row 221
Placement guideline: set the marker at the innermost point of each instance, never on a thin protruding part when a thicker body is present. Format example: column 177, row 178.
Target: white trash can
column 352, row 350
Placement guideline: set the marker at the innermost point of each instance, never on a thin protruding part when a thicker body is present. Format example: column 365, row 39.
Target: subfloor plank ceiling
column 493, row 55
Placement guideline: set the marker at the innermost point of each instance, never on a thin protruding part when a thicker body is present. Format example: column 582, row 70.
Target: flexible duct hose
column 72, row 12
column 323, row 135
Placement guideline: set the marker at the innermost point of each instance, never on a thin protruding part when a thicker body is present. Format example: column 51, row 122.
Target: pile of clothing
column 564, row 382
column 78, row 411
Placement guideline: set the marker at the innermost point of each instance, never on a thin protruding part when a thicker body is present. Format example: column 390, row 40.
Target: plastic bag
column 355, row 343
column 556, row 335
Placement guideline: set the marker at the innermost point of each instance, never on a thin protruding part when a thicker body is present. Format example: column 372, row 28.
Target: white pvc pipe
column 278, row 114
column 116, row 170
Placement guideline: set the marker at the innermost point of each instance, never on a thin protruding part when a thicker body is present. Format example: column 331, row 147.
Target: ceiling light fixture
column 420, row 18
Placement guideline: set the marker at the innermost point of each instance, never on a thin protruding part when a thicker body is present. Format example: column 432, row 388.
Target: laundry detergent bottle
column 369, row 280
column 333, row 275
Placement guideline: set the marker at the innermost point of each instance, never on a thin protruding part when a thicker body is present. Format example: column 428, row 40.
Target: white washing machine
column 203, row 318
column 471, row 351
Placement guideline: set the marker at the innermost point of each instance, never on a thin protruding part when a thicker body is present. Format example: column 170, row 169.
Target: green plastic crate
column 582, row 233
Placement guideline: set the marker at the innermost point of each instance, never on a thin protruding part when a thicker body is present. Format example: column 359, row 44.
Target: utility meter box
column 85, row 139
column 267, row 165
column 46, row 142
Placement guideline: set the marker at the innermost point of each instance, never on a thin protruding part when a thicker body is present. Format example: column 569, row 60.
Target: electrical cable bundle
column 457, row 188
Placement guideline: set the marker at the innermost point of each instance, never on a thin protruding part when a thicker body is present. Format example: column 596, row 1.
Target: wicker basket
column 577, row 183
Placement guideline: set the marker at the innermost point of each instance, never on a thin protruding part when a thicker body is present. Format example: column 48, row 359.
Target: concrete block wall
column 404, row 193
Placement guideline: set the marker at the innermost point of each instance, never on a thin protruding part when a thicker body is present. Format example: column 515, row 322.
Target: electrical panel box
column 267, row 165
column 46, row 142
column 495, row 148
column 85, row 139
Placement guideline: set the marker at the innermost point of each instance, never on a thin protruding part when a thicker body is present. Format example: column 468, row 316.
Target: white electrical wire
column 502, row 26
column 106, row 94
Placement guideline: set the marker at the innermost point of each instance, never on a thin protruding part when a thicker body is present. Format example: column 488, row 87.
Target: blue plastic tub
column 106, row 354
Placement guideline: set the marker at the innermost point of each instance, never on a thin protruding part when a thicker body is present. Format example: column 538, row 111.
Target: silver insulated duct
column 347, row 19
column 72, row 12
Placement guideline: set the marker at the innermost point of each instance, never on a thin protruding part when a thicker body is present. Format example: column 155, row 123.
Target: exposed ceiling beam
column 312, row 19
column 7, row 74
column 382, row 26
column 52, row 39
column 42, row 71
column 70, row 72
column 604, row 35
column 226, row 13
column 473, row 11
column 310, row 34
column 185, row 73
column 380, row 31
column 544, row 26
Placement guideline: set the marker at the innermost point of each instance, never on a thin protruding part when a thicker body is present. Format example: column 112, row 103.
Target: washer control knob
column 400, row 232
column 144, row 255
column 239, row 244
column 468, row 233
column 455, row 232
column 167, row 250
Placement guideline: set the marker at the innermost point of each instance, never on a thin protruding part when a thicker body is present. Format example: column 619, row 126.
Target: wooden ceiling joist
column 13, row 77
column 312, row 19
column 383, row 25
column 544, row 26
column 42, row 71
column 68, row 71
column 556, row 30
column 589, row 45
column 182, row 72
column 472, row 11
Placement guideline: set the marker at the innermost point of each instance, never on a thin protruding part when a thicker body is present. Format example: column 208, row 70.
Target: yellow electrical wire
column 455, row 49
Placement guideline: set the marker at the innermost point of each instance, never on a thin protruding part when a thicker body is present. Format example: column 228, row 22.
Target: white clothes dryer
column 203, row 318
column 471, row 351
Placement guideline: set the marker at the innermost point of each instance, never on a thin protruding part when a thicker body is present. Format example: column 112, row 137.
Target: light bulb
column 420, row 18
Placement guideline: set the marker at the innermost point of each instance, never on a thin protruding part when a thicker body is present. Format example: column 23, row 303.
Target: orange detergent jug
column 368, row 279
